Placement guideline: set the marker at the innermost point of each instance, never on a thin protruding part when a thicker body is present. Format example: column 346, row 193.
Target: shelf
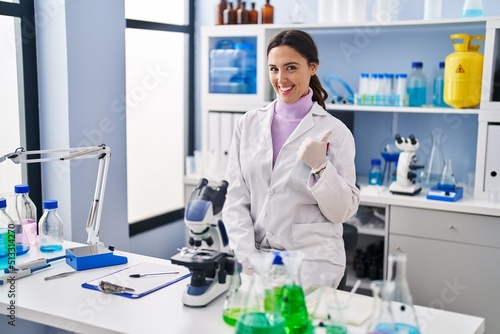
column 429, row 110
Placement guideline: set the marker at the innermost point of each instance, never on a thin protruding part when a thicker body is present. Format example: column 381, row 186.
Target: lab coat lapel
column 306, row 124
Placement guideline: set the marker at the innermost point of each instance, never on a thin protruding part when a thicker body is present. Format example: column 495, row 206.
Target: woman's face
column 289, row 73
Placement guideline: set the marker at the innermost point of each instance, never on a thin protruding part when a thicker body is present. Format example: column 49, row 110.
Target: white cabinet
column 452, row 260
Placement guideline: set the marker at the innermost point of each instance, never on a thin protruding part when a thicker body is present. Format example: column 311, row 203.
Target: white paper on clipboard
column 143, row 285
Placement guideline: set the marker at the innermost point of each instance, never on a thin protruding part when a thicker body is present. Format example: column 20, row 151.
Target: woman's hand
column 314, row 153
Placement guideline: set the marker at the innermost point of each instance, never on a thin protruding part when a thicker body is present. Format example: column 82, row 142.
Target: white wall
column 81, row 62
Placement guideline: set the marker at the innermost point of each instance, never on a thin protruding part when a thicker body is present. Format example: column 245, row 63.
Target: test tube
column 401, row 93
column 363, row 90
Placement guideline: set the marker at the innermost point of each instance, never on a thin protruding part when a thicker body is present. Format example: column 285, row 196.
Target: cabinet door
column 452, row 276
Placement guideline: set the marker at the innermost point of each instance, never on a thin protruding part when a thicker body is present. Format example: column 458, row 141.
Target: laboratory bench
column 452, row 248
column 64, row 304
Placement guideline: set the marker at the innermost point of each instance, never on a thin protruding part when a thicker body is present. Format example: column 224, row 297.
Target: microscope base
column 411, row 190
column 202, row 296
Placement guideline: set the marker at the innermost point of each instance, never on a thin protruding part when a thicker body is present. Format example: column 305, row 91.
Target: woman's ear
column 313, row 67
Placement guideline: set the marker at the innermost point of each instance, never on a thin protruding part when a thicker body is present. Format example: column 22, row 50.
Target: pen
column 151, row 274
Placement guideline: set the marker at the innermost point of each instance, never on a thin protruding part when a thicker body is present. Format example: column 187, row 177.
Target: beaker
column 292, row 302
column 255, row 318
column 382, row 320
column 447, row 180
column 429, row 177
column 235, row 297
column 328, row 316
column 397, row 286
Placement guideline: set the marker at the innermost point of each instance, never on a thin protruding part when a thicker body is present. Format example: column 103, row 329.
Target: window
column 159, row 70
column 19, row 94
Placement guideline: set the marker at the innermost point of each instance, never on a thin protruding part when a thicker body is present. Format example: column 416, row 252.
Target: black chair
column 350, row 236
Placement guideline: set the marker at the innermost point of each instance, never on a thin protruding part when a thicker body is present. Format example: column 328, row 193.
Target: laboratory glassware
column 433, row 9
column 447, row 179
column 267, row 13
column 438, row 88
column 382, row 320
column 7, row 236
column 51, row 228
column 278, row 276
column 375, row 176
column 23, row 212
column 253, row 14
column 417, row 85
column 292, row 302
column 328, row 315
column 473, row 8
column 401, row 299
column 219, row 12
column 235, row 297
column 260, row 314
column 430, row 175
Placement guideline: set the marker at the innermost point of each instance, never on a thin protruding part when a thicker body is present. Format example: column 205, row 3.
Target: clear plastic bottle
column 401, row 94
column 417, row 85
column 438, row 91
column 473, row 8
column 25, row 216
column 51, row 228
column 7, row 237
column 375, row 175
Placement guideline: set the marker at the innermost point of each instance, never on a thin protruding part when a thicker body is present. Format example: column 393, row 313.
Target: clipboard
column 144, row 285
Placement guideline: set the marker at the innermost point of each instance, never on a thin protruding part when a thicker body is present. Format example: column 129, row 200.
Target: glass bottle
column 235, row 297
column 375, row 173
column 7, row 237
column 242, row 13
column 292, row 302
column 473, row 8
column 51, row 228
column 219, row 12
column 229, row 14
column 417, row 85
column 382, row 320
column 253, row 14
column 438, row 91
column 430, row 175
column 402, row 308
column 278, row 276
column 25, row 216
column 257, row 315
column 267, row 13
column 447, row 179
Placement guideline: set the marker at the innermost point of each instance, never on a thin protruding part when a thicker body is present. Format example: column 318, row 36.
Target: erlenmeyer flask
column 429, row 177
column 382, row 321
column 328, row 316
column 255, row 318
column 447, row 180
column 235, row 297
column 401, row 299
column 292, row 302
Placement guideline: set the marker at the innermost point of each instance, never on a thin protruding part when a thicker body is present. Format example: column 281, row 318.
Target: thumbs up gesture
column 314, row 152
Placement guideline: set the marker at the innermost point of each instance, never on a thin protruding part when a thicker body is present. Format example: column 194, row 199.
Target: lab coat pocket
column 300, row 173
column 319, row 241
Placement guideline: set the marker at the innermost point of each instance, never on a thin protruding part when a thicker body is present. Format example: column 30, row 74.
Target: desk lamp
column 94, row 255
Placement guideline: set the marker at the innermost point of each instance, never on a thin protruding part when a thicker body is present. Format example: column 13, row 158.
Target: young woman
column 291, row 167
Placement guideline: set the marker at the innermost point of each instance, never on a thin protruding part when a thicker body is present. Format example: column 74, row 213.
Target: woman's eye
column 290, row 68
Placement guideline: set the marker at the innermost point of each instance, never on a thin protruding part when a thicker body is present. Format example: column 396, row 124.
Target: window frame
column 25, row 11
column 189, row 30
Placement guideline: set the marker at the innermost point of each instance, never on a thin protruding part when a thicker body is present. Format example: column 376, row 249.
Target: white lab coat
column 285, row 208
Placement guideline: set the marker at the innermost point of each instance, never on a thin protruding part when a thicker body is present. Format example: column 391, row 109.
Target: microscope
column 406, row 183
column 208, row 256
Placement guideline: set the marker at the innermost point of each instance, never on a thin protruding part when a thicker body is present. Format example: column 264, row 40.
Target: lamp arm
column 102, row 152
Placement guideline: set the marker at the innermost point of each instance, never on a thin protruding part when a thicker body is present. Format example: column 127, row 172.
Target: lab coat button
column 270, row 192
column 269, row 234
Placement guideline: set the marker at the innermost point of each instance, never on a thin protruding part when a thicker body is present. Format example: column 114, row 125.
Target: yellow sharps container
column 463, row 72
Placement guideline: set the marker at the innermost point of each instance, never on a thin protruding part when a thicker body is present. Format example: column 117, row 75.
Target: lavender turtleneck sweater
column 286, row 118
